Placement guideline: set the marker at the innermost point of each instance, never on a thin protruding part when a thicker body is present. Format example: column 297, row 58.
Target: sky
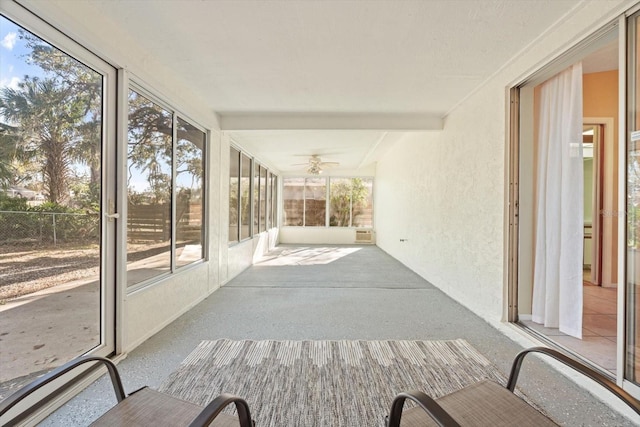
column 13, row 56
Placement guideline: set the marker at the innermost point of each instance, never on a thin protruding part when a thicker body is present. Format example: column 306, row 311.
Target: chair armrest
column 580, row 367
column 430, row 406
column 216, row 406
column 49, row 377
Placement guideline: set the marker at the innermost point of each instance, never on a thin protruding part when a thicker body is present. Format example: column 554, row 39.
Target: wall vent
column 364, row 236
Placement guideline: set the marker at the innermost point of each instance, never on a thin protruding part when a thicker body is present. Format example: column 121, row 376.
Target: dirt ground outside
column 28, row 269
column 25, row 269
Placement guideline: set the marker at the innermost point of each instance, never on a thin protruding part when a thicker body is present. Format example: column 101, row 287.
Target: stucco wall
column 223, row 209
column 152, row 308
column 318, row 235
column 445, row 192
column 442, row 194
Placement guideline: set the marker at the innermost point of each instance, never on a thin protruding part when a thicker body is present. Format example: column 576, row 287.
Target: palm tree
column 46, row 116
column 8, row 144
column 85, row 85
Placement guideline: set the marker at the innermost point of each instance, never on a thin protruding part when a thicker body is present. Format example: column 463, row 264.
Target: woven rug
column 325, row 383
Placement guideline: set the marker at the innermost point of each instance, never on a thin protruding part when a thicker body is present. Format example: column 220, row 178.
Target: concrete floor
column 314, row 292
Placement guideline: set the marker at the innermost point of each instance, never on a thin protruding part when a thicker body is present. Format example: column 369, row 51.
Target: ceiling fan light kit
column 315, row 165
column 314, row 170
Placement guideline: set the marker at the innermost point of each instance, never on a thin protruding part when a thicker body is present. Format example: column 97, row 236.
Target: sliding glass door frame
column 629, row 73
column 628, row 81
column 109, row 222
column 108, row 202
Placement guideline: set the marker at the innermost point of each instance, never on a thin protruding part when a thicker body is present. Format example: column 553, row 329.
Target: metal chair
column 144, row 407
column 489, row 404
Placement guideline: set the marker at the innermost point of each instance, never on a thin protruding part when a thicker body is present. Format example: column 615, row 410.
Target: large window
column 149, row 189
column 189, row 182
column 362, row 202
column 350, row 202
column 263, row 199
column 245, row 197
column 165, row 206
column 234, row 191
column 254, row 213
column 315, row 202
column 270, row 222
column 293, row 201
column 271, row 198
column 256, row 197
column 273, row 183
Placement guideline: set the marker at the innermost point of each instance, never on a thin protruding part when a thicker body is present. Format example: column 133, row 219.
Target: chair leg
column 217, row 405
column 430, row 406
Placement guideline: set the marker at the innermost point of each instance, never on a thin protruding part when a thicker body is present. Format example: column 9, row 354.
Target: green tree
column 233, row 202
column 150, row 146
column 44, row 120
column 51, row 123
column 8, row 152
column 348, row 197
column 16, row 165
column 189, row 154
column 85, row 88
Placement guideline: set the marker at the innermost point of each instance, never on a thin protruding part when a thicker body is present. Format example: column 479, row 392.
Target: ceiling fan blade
column 332, row 153
column 315, row 162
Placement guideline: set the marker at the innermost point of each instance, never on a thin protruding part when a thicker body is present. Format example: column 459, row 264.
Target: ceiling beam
column 382, row 145
column 332, row 121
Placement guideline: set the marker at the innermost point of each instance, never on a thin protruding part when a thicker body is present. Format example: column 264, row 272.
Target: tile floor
column 599, row 326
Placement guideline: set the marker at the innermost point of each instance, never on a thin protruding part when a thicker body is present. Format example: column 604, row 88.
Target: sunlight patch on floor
column 307, row 256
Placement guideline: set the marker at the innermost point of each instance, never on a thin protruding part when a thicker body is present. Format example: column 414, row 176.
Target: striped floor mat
column 325, row 383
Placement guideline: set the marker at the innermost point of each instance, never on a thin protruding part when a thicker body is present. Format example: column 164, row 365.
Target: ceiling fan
column 315, row 165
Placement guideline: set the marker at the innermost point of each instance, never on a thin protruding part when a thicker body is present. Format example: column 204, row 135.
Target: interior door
column 592, row 149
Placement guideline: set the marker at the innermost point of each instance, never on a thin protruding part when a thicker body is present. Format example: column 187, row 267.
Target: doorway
column 597, row 343
column 592, row 135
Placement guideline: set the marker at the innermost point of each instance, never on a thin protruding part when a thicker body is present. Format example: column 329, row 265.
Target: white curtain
column 557, row 284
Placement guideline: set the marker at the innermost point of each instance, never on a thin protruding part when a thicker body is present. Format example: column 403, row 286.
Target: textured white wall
column 223, row 208
column 442, row 194
column 445, row 191
column 318, row 235
column 217, row 213
column 240, row 257
column 152, row 308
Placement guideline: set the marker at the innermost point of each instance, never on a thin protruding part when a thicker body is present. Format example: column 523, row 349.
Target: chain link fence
column 22, row 227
